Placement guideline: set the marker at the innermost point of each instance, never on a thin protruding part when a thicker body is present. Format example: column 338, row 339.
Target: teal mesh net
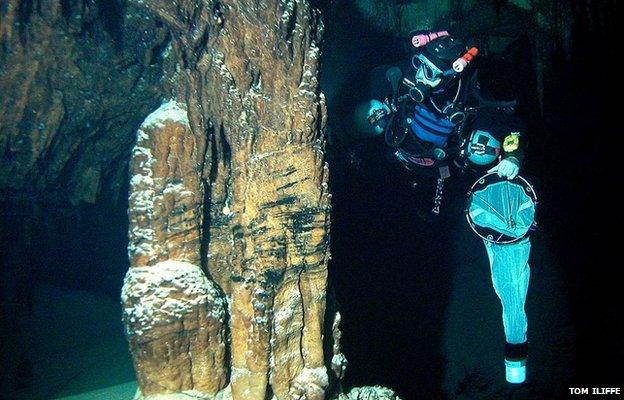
column 504, row 207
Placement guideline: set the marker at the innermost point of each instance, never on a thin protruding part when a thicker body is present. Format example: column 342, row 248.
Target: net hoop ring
column 488, row 234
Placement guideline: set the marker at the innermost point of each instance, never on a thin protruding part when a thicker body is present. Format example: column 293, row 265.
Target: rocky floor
column 77, row 348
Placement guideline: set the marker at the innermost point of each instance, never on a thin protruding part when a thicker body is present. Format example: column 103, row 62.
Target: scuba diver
column 437, row 124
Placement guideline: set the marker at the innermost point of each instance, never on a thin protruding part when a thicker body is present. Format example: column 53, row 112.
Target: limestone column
column 174, row 314
column 248, row 74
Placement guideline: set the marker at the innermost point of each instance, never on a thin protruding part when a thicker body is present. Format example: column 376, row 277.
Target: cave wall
column 76, row 79
column 64, row 128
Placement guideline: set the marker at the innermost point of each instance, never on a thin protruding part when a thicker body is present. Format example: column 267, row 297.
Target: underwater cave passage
column 415, row 291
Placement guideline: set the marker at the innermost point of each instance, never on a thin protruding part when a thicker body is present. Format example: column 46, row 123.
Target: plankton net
column 500, row 210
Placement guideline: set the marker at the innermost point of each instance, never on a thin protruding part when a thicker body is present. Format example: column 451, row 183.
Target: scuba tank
column 482, row 148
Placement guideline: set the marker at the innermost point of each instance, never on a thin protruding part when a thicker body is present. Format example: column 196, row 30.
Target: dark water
column 408, row 288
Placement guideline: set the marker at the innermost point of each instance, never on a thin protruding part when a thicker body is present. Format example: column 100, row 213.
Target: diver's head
column 439, row 60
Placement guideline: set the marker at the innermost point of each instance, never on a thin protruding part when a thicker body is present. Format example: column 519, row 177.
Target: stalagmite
column 174, row 314
column 253, row 110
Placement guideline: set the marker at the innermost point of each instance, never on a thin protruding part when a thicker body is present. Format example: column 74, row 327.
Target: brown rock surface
column 173, row 313
column 249, row 80
column 166, row 193
column 75, row 81
column 175, row 321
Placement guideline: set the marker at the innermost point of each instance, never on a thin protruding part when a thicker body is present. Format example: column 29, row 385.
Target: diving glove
column 507, row 168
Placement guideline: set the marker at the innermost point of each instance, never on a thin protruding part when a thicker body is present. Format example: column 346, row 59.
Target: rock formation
column 369, row 393
column 174, row 313
column 229, row 210
column 64, row 127
column 75, row 82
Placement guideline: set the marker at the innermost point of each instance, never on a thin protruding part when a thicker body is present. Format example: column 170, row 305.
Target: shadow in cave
column 84, row 246
column 580, row 170
column 399, row 276
column 391, row 278
column 62, row 267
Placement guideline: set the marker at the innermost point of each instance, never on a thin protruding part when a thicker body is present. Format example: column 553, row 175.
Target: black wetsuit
column 423, row 140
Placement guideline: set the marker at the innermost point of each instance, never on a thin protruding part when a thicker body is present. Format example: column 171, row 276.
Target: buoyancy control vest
column 429, row 127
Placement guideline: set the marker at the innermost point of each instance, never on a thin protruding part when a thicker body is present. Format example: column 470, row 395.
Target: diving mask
column 426, row 72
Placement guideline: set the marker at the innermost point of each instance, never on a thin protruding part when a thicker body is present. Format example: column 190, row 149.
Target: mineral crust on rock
column 369, row 393
column 174, row 314
column 166, row 192
column 175, row 324
column 258, row 224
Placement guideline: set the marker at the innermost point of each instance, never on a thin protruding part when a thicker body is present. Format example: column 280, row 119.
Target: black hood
column 442, row 52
